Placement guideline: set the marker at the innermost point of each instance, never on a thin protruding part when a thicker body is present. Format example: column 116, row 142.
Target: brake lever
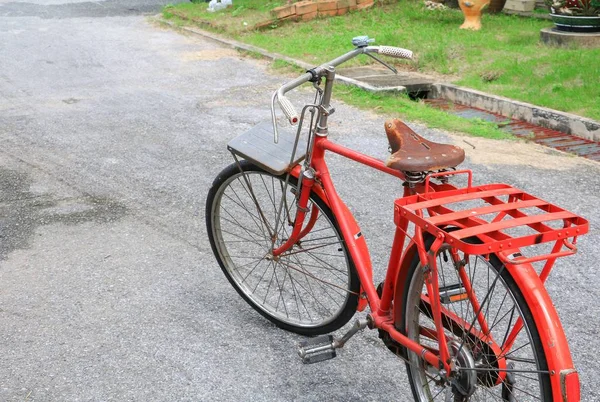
column 274, row 119
column 318, row 88
column 382, row 62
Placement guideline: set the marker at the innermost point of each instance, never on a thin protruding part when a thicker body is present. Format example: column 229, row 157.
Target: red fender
column 563, row 375
column 401, row 280
column 359, row 243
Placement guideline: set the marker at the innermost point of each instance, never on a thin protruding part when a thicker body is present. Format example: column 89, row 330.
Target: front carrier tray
column 257, row 146
column 502, row 218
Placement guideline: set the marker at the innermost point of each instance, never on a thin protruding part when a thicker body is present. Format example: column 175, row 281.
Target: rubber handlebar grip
column 288, row 109
column 396, row 52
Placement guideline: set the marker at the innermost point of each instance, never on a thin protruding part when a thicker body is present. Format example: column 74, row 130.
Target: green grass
column 242, row 16
column 239, row 8
column 401, row 106
column 504, row 58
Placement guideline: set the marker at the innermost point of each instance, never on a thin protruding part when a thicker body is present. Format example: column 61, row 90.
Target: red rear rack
column 503, row 218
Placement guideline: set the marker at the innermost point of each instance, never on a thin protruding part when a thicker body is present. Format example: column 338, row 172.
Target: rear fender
column 551, row 331
column 402, row 280
column 563, row 376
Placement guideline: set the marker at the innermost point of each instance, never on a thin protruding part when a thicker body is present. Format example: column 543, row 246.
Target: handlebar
column 285, row 104
column 396, row 52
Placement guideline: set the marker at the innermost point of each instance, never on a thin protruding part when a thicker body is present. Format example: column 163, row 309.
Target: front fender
column 358, row 242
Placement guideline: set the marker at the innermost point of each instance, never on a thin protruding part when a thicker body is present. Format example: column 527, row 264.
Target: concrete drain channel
column 419, row 87
column 540, row 135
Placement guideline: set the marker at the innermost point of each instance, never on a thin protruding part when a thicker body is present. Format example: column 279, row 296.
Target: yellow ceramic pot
column 472, row 10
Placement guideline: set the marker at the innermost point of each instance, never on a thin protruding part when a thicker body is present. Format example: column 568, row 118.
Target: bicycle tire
column 529, row 384
column 315, row 283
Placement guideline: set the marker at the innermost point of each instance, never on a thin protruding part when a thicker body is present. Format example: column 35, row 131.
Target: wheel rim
column 498, row 304
column 307, row 285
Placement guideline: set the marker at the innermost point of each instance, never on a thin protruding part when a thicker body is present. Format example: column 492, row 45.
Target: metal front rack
column 257, row 146
column 502, row 218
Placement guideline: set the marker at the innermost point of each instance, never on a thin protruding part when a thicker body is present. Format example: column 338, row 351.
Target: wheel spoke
column 309, row 287
column 476, row 362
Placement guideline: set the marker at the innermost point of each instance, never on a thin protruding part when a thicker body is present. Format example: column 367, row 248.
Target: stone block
column 309, row 16
column 364, row 6
column 549, row 36
column 342, row 11
column 326, row 5
column 520, row 5
column 364, row 1
column 268, row 23
column 284, row 11
column 328, row 13
column 306, row 7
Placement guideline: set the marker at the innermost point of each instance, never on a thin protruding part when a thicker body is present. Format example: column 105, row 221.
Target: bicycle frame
column 564, row 377
column 386, row 310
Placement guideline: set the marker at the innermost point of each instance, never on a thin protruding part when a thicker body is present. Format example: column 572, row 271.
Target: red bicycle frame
column 384, row 313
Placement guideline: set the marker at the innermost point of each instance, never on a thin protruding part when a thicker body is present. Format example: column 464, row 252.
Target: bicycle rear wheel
column 517, row 372
column 311, row 288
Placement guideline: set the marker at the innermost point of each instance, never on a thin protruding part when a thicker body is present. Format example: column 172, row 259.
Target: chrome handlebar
column 288, row 108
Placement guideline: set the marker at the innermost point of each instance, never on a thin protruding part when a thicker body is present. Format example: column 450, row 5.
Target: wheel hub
column 464, row 380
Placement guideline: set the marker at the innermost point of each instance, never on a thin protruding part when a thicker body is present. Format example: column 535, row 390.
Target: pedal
column 323, row 347
column 317, row 349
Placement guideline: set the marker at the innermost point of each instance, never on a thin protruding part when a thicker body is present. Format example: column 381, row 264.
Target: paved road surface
column 111, row 130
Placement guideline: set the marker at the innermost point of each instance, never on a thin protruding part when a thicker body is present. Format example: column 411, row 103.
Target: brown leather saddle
column 413, row 153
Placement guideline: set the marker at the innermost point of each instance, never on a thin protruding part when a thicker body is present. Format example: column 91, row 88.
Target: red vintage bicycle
column 463, row 301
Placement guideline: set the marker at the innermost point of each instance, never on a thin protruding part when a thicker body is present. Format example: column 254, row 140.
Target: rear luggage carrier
column 504, row 219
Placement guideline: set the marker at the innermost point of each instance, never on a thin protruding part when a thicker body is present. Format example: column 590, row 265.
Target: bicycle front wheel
column 310, row 289
column 515, row 369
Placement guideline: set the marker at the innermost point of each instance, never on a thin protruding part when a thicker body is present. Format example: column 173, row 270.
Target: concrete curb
column 549, row 118
column 553, row 37
column 560, row 121
column 276, row 56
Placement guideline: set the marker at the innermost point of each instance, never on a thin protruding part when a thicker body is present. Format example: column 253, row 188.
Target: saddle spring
column 413, row 178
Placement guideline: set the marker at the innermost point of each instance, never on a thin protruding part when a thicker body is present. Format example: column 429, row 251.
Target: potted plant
column 575, row 15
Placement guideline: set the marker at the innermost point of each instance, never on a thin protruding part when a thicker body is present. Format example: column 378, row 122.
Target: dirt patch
column 497, row 152
column 211, row 54
column 22, row 211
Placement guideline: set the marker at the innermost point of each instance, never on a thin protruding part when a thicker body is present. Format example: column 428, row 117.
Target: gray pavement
column 111, row 131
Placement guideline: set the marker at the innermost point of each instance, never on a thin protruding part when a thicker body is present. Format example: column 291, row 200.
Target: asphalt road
column 111, row 131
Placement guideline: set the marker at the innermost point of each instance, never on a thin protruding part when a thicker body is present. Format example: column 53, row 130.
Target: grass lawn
column 244, row 15
column 504, row 58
